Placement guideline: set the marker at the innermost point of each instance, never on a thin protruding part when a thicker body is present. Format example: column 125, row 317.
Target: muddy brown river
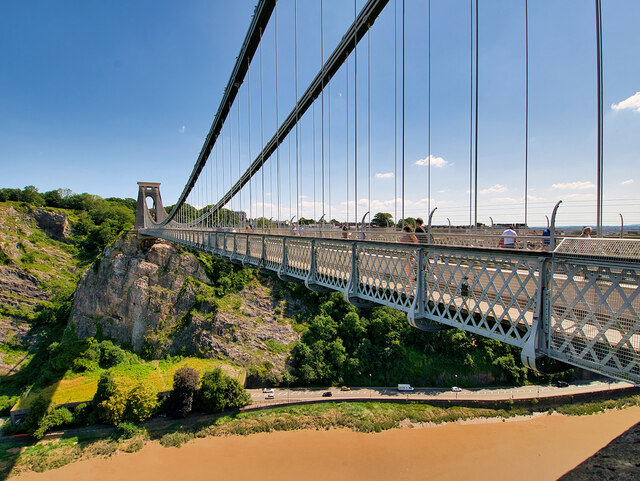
column 539, row 448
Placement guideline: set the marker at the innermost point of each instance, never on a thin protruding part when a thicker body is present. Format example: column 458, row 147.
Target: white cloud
column 182, row 129
column 386, row 175
column 627, row 182
column 494, row 189
column 579, row 197
column 631, row 103
column 574, row 186
column 433, row 160
column 505, row 200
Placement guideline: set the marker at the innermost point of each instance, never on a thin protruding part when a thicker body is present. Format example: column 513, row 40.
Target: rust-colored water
column 537, row 449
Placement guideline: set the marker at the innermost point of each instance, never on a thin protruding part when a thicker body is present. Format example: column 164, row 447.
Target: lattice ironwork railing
column 254, row 250
column 387, row 275
column 599, row 247
column 298, row 257
column 274, row 252
column 595, row 320
column 241, row 247
column 489, row 293
column 333, row 263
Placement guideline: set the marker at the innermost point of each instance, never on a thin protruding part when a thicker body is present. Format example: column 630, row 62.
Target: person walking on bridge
column 508, row 240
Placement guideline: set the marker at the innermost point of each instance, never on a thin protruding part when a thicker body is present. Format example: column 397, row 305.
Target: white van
column 405, row 387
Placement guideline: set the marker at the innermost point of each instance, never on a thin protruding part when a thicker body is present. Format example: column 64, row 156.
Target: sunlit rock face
column 157, row 297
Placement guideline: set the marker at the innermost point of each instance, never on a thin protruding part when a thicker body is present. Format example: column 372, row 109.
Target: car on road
column 456, row 389
column 269, row 396
column 267, row 390
column 345, row 388
column 405, row 387
column 562, row 384
column 327, row 394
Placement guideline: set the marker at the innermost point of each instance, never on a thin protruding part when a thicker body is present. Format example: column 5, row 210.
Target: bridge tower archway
column 149, row 190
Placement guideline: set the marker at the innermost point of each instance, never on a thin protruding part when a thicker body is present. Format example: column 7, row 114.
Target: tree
column 185, row 385
column 142, row 402
column 30, row 195
column 408, row 221
column 110, row 400
column 382, row 219
column 219, row 392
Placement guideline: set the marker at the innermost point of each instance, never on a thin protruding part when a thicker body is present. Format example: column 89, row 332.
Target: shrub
column 110, row 401
column 142, row 403
column 54, row 417
column 37, row 411
column 185, row 385
column 6, row 403
column 82, row 414
column 127, row 430
column 219, row 392
column 110, row 354
column 44, row 416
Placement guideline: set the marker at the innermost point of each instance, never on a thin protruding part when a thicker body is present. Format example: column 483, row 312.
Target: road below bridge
column 423, row 394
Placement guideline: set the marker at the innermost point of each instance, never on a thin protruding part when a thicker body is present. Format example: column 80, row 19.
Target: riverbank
column 541, row 447
column 20, row 455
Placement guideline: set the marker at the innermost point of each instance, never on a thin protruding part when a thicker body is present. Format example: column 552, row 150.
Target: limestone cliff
column 157, row 297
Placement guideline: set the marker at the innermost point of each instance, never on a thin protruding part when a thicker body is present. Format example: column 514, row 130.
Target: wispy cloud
column 579, row 197
column 182, row 129
column 494, row 189
column 574, row 186
column 386, row 175
column 433, row 160
column 631, row 103
column 627, row 182
column 505, row 200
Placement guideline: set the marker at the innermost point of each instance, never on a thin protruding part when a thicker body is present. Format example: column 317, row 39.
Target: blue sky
column 95, row 96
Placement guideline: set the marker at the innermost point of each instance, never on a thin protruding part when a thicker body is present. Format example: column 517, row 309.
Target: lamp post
column 456, row 380
column 370, row 387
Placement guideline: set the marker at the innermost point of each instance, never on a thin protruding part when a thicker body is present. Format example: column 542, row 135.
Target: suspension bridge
column 562, row 300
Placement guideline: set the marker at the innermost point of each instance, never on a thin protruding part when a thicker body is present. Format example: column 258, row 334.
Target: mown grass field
column 157, row 374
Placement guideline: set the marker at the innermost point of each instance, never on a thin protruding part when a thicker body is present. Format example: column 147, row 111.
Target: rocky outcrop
column 18, row 287
column 156, row 296
column 54, row 224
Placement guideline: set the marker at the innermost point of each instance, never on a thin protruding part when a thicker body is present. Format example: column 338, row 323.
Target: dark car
column 327, row 394
column 562, row 384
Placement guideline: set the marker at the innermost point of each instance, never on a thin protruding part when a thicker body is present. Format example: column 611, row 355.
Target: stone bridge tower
column 150, row 190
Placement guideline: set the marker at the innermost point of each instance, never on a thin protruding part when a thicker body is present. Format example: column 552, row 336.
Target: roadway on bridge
column 425, row 393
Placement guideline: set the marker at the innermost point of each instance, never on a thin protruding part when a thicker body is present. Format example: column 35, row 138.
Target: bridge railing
column 462, row 239
column 578, row 310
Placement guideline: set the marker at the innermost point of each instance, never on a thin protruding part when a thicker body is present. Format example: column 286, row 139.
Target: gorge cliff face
column 157, row 297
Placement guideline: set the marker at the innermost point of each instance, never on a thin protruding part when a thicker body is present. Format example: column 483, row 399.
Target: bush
column 6, row 403
column 142, row 403
column 82, row 414
column 55, row 417
column 110, row 401
column 111, row 355
column 44, row 416
column 127, row 430
column 185, row 385
column 37, row 411
column 219, row 392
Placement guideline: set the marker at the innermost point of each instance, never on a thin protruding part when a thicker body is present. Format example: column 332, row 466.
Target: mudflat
column 539, row 448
